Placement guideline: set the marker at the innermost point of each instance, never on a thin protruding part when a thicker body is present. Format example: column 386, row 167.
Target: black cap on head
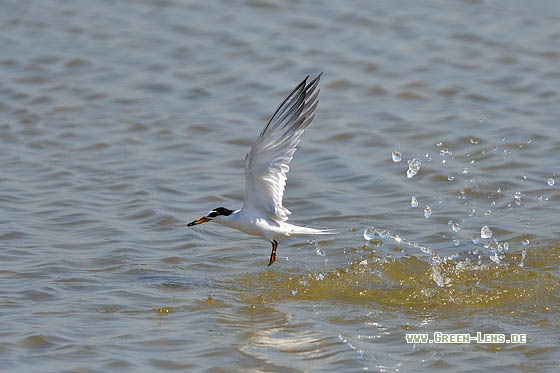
column 220, row 211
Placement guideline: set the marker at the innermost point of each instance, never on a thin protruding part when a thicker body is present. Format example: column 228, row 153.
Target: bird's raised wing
column 268, row 160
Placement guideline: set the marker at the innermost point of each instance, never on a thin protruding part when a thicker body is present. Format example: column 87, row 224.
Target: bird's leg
column 273, row 253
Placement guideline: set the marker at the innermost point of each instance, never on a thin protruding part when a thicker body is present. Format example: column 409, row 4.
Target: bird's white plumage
column 268, row 161
column 266, row 166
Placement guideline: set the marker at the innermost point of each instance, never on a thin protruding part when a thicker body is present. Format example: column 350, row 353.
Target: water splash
column 369, row 233
column 413, row 202
column 383, row 235
column 318, row 250
column 438, row 278
column 435, row 260
column 550, row 181
column 397, row 156
column 486, row 247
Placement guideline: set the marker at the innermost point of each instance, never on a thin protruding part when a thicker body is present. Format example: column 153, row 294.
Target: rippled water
column 434, row 153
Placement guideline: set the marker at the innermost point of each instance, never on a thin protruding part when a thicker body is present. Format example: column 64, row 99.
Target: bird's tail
column 295, row 230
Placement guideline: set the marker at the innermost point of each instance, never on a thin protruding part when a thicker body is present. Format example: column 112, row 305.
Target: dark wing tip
column 302, row 96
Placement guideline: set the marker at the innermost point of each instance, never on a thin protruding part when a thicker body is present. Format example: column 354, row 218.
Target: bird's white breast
column 254, row 225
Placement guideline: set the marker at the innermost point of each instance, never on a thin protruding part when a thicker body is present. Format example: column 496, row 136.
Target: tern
column 266, row 166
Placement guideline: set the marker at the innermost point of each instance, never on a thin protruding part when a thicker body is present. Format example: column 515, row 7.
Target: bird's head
column 218, row 214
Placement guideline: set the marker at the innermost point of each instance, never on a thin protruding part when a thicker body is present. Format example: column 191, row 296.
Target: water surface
column 120, row 122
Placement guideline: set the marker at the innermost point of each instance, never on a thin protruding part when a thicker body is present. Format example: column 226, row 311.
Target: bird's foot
column 273, row 253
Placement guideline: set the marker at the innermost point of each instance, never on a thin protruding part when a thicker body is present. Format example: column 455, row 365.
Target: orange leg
column 273, row 253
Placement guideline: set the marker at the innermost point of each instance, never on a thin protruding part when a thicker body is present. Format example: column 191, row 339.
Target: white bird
column 266, row 167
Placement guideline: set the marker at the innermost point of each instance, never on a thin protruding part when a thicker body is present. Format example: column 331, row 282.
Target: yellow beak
column 201, row 220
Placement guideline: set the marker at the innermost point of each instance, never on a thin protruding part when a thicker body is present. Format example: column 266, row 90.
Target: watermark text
column 479, row 337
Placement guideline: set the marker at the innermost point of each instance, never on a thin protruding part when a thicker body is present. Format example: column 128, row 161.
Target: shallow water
column 121, row 122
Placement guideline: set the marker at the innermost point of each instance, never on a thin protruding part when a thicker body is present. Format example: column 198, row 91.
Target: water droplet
column 383, row 233
column 398, row 238
column 427, row 212
column 294, row 292
column 523, row 255
column 425, row 249
column 413, row 202
column 456, row 228
column 439, row 144
column 485, row 232
column 525, row 242
column 474, row 141
column 369, row 233
column 456, row 242
column 465, row 170
column 517, row 197
column 450, row 178
column 413, row 167
column 550, row 181
column 495, row 258
column 363, row 262
column 397, row 156
column 472, row 212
